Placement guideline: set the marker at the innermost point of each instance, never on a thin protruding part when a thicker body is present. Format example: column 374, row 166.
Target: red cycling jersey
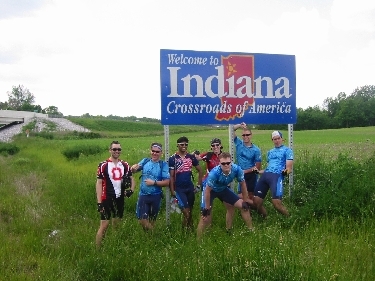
column 211, row 159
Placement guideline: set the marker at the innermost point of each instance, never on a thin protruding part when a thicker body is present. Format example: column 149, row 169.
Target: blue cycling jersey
column 276, row 159
column 246, row 156
column 155, row 171
column 218, row 181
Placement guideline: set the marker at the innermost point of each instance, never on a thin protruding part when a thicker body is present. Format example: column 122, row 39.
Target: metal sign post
column 167, row 192
column 231, row 148
column 290, row 136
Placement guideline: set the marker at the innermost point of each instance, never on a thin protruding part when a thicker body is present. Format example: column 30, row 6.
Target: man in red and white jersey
column 112, row 174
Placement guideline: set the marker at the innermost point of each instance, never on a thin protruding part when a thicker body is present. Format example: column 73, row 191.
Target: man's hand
column 255, row 170
column 129, row 192
column 126, row 182
column 196, row 152
column 245, row 205
column 100, row 207
column 134, row 168
column 205, row 212
column 197, row 188
column 285, row 172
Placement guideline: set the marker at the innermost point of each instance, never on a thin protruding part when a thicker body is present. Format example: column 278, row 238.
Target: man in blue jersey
column 155, row 175
column 217, row 186
column 212, row 160
column 248, row 157
column 110, row 193
column 279, row 164
column 181, row 183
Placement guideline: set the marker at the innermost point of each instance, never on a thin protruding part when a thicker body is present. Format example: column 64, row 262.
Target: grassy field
column 120, row 128
column 48, row 217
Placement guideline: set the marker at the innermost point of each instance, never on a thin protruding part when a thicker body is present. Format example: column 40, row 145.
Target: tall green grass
column 122, row 128
column 48, row 217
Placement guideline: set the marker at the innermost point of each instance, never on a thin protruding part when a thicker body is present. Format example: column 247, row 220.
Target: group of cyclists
column 115, row 181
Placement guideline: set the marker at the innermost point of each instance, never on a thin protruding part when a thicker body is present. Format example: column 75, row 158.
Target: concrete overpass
column 11, row 117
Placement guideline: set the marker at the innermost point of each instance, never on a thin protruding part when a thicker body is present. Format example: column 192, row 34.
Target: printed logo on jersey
column 116, row 173
column 183, row 165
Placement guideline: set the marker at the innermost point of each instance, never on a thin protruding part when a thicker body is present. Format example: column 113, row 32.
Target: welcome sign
column 204, row 87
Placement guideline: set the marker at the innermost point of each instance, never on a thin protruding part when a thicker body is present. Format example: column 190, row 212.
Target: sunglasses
column 116, row 149
column 183, row 144
column 225, row 163
column 246, row 135
column 215, row 144
column 155, row 151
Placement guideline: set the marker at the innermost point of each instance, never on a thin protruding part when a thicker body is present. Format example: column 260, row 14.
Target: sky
column 103, row 57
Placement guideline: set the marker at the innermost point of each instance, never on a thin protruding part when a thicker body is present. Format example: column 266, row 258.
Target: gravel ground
column 62, row 124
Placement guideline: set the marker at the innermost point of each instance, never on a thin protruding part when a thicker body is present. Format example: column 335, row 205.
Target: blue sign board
column 204, row 87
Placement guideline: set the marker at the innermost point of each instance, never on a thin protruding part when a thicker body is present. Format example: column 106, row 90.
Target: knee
column 230, row 210
column 276, row 203
column 257, row 201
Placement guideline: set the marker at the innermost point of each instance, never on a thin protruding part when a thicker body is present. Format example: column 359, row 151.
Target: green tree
column 364, row 98
column 312, row 118
column 52, row 111
column 31, row 107
column 4, row 105
column 357, row 110
column 20, row 98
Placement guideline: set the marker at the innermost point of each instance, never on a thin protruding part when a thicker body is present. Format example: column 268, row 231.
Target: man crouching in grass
column 217, row 186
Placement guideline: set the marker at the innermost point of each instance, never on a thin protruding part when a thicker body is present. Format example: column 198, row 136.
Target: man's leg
column 116, row 222
column 245, row 213
column 187, row 221
column 119, row 212
column 202, row 225
column 143, row 212
column 280, row 207
column 258, row 202
column 189, row 217
column 229, row 215
column 101, row 232
column 146, row 224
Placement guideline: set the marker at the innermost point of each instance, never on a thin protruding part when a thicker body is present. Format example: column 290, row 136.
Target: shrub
column 22, row 161
column 84, row 149
column 45, row 135
column 338, row 188
column 8, row 148
column 86, row 135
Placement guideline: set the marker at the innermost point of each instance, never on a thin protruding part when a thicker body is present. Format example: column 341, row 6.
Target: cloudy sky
column 102, row 57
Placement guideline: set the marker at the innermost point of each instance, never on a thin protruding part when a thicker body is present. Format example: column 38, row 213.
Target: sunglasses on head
column 246, row 135
column 155, row 151
column 225, row 163
column 116, row 149
column 183, row 144
column 215, row 144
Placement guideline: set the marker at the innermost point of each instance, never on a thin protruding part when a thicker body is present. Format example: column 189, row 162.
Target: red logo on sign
column 238, row 85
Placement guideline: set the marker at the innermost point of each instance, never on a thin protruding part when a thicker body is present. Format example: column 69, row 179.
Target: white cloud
column 351, row 15
column 103, row 58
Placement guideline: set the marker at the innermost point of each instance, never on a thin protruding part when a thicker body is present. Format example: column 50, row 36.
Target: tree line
column 343, row 111
column 21, row 99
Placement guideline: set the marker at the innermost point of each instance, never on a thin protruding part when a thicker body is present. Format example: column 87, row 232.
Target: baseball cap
column 276, row 134
column 215, row 140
